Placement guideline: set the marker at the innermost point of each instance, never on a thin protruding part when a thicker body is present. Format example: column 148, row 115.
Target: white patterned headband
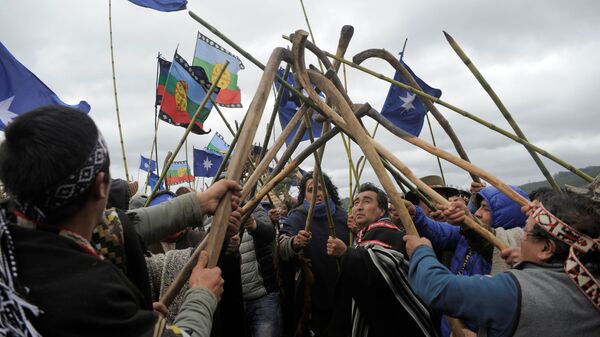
column 580, row 244
column 79, row 181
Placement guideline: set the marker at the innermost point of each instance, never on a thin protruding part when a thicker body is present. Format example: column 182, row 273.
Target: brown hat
column 437, row 184
column 591, row 190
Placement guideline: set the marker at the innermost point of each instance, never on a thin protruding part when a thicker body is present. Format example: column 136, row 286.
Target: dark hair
column 541, row 193
column 579, row 213
column 289, row 202
column 332, row 191
column 41, row 149
column 382, row 199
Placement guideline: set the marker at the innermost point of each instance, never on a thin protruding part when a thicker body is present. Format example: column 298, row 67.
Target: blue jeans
column 264, row 316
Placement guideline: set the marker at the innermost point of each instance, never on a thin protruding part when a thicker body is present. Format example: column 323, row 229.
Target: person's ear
column 100, row 188
column 547, row 251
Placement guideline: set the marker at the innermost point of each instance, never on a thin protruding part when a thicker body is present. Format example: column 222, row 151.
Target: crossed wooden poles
column 338, row 110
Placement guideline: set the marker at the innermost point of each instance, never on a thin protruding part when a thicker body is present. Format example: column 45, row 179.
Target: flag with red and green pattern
column 185, row 88
column 211, row 57
column 163, row 73
column 179, row 172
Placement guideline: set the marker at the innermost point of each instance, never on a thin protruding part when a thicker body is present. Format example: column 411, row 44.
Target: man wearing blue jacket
column 554, row 290
column 493, row 209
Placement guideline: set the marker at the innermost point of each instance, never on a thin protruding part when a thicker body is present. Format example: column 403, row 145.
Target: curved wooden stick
column 280, row 174
column 326, row 86
column 391, row 59
column 354, row 128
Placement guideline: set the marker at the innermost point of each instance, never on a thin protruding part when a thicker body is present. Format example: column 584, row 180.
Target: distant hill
column 562, row 178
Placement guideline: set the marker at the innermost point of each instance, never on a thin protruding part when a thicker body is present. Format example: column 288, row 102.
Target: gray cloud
column 539, row 56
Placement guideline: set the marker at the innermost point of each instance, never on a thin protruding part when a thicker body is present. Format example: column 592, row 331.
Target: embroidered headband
column 79, row 181
column 580, row 245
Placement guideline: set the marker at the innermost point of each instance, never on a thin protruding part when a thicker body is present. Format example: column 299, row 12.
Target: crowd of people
column 82, row 254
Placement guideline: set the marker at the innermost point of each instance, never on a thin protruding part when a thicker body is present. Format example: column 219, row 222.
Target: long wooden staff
column 186, row 133
column 391, row 59
column 221, row 216
column 354, row 128
column 465, row 113
column 488, row 88
column 327, row 87
column 283, row 172
column 114, row 80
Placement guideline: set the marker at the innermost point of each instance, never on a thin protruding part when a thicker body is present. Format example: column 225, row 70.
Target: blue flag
column 162, row 5
column 405, row 109
column 21, row 91
column 288, row 107
column 145, row 162
column 206, row 163
column 153, row 179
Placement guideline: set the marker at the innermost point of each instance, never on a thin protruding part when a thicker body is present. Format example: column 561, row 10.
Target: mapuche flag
column 179, row 172
column 163, row 73
column 211, row 57
column 185, row 88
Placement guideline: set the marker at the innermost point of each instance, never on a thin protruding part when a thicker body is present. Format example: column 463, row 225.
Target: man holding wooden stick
column 54, row 276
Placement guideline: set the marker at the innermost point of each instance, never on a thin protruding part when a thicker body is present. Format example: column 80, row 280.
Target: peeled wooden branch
column 322, row 83
column 354, row 127
column 280, row 173
column 501, row 107
column 391, row 59
column 481, row 121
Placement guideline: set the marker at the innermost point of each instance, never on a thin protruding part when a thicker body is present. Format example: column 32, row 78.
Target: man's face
column 365, row 209
column 484, row 214
column 532, row 247
column 309, row 193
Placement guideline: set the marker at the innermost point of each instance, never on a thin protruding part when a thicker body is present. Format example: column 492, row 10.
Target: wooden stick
column 234, row 171
column 280, row 174
column 169, row 295
column 481, row 121
column 354, row 127
column 463, row 56
column 391, row 59
column 114, row 80
column 270, row 155
column 321, row 82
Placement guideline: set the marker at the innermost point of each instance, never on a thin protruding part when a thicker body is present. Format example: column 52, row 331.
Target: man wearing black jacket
column 373, row 295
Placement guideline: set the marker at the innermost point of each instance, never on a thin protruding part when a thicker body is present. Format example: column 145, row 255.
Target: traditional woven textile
column 581, row 244
column 79, row 181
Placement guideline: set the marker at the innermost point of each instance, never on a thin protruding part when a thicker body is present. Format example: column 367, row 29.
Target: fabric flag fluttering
column 179, row 172
column 288, row 107
column 211, row 57
column 206, row 163
column 162, row 5
column 163, row 74
column 145, row 163
column 217, row 144
column 405, row 109
column 185, row 88
column 21, row 91
column 153, row 179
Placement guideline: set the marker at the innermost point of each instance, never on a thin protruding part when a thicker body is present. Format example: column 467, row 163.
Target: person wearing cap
column 554, row 291
column 55, row 164
column 373, row 295
column 495, row 210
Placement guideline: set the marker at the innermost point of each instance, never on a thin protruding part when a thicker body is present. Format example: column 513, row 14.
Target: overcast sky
column 541, row 58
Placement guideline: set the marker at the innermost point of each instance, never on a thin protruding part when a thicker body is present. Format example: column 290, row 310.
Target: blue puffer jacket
column 444, row 236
